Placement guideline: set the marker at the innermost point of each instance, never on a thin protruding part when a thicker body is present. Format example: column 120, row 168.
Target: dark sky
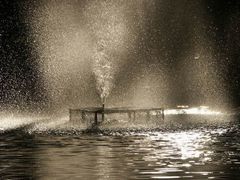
column 21, row 78
column 226, row 16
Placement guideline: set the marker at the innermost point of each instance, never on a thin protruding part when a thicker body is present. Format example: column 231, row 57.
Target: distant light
column 182, row 106
column 201, row 110
column 204, row 107
column 197, row 57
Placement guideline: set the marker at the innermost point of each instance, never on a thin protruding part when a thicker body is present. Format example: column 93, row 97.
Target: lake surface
column 188, row 153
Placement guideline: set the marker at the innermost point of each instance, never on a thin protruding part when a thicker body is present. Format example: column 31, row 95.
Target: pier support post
column 95, row 119
column 83, row 116
column 163, row 116
column 134, row 116
column 103, row 107
column 148, row 115
column 103, row 116
column 70, row 115
column 129, row 116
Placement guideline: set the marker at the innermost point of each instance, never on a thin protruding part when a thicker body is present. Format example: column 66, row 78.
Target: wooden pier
column 131, row 112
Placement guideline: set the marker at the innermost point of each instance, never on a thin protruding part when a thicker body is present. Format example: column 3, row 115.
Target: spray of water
column 107, row 24
column 78, row 42
column 102, row 69
column 72, row 37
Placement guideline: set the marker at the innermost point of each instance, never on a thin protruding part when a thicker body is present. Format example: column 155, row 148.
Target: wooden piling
column 148, row 115
column 95, row 118
column 129, row 115
column 83, row 115
column 163, row 115
column 70, row 114
column 103, row 106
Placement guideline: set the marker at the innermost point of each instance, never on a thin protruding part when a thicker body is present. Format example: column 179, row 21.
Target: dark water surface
column 198, row 153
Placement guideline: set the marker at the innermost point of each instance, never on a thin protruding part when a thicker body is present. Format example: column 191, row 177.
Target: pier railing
column 130, row 111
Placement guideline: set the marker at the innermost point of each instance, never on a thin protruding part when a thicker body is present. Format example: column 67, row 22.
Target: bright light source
column 202, row 110
column 182, row 106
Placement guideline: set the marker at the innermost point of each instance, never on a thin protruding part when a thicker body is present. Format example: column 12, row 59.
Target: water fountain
column 122, row 62
column 108, row 55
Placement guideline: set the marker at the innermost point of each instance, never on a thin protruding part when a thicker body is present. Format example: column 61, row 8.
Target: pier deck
column 130, row 111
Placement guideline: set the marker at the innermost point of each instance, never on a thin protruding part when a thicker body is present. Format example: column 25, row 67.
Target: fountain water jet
column 102, row 69
column 108, row 28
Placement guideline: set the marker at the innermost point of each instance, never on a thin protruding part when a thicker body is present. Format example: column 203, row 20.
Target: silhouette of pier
column 130, row 111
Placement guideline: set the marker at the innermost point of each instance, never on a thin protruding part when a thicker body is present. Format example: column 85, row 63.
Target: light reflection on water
column 198, row 153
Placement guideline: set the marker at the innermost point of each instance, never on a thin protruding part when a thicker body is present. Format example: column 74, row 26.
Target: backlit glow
column 202, row 110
